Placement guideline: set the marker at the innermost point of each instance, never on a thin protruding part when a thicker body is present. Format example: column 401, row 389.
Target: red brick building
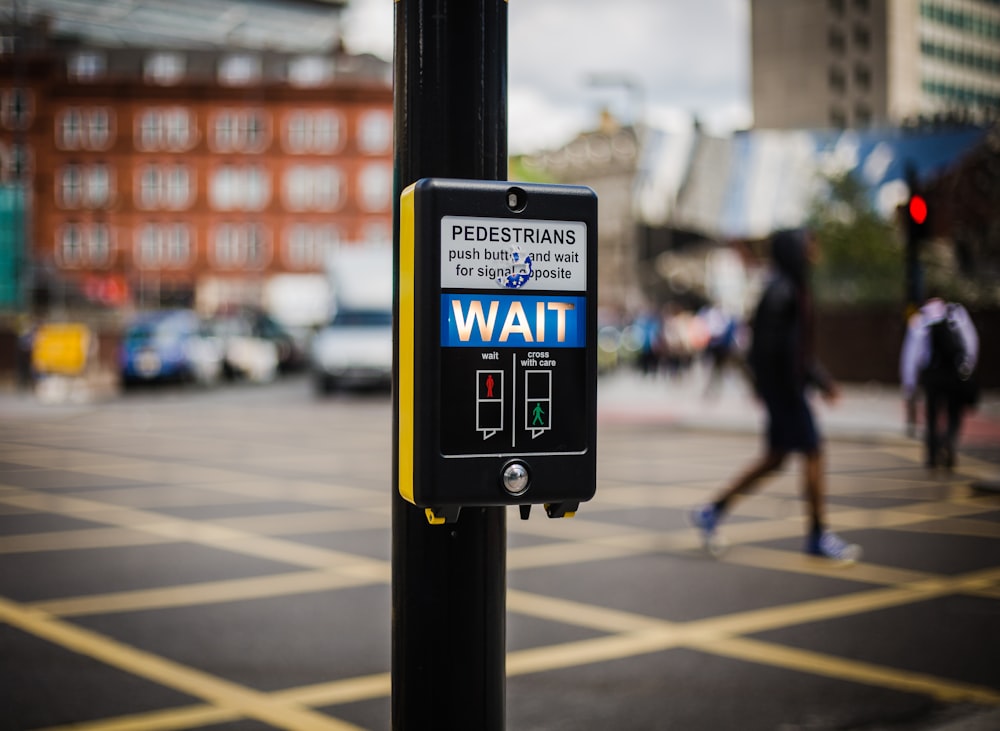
column 161, row 175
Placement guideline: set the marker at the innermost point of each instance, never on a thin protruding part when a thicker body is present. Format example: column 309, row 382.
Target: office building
column 867, row 63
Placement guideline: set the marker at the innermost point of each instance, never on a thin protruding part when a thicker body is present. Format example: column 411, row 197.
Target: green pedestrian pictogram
column 537, row 401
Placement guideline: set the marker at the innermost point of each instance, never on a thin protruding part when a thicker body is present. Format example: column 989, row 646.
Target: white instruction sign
column 509, row 253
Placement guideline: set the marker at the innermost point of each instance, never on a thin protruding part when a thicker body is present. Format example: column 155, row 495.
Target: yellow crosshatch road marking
column 860, row 672
column 202, row 532
column 196, row 683
column 174, row 719
column 593, row 537
column 76, row 539
column 191, row 595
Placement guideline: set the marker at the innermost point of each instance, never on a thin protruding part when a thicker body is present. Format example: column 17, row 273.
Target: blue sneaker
column 705, row 519
column 829, row 545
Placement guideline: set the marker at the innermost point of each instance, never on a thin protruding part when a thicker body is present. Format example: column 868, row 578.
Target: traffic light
column 917, row 218
column 917, row 208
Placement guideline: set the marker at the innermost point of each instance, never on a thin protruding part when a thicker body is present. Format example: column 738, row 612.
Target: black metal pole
column 448, row 581
column 913, row 235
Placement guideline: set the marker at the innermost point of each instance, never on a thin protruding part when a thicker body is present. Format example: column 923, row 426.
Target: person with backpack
column 784, row 369
column 939, row 354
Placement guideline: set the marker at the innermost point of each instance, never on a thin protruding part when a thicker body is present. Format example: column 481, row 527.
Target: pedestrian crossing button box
column 496, row 325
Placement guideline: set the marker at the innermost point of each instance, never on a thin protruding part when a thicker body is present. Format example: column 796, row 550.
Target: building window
column 178, row 250
column 838, row 118
column 85, row 66
column 308, row 71
column 17, row 108
column 98, row 128
column 177, row 130
column 99, row 245
column 959, row 94
column 70, row 129
column 836, row 79
column 227, row 250
column 149, row 131
column 147, row 247
column 240, row 188
column 84, row 128
column 308, row 246
column 178, row 187
column 240, row 130
column 375, row 132
column 375, row 187
column 313, row 188
column 165, row 129
column 85, row 186
column 149, row 187
column 967, row 22
column 836, row 41
column 163, row 246
column 861, row 37
column 84, row 246
column 166, row 187
column 862, row 115
column 164, row 68
column 984, row 63
column 313, row 132
column 862, row 6
column 862, row 78
column 240, row 246
column 71, row 186
column 97, row 184
column 239, row 70
column 15, row 163
column 70, row 252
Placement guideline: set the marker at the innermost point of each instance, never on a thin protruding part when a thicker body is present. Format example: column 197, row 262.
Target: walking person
column 721, row 351
column 784, row 369
column 940, row 353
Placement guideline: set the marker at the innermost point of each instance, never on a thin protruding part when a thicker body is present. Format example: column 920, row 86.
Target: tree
column 862, row 259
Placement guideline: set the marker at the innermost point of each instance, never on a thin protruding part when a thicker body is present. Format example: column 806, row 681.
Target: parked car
column 169, row 345
column 255, row 345
column 291, row 352
column 354, row 350
column 245, row 354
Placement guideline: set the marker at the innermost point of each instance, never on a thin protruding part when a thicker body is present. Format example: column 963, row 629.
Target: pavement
column 870, row 412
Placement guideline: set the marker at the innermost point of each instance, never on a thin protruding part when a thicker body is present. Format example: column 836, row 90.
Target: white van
column 354, row 349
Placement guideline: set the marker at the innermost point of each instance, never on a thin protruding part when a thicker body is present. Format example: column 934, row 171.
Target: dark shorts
column 790, row 424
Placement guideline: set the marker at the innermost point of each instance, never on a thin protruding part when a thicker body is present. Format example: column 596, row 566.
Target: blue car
column 169, row 345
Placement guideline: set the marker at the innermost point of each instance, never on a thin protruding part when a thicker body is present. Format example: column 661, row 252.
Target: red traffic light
column 918, row 209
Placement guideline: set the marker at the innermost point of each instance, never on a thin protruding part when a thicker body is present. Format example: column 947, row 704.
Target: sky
column 684, row 59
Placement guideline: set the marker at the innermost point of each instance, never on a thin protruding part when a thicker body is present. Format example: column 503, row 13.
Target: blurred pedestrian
column 27, row 329
column 939, row 353
column 681, row 339
column 647, row 328
column 721, row 350
column 784, row 368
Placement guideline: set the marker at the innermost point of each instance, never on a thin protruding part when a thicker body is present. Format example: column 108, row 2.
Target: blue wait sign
column 482, row 320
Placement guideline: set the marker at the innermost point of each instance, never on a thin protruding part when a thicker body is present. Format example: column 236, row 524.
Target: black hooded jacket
column 781, row 353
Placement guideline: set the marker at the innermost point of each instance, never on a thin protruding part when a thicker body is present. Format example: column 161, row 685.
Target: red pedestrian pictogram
column 489, row 402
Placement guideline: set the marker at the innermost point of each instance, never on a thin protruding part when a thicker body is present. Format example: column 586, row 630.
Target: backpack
column 947, row 352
